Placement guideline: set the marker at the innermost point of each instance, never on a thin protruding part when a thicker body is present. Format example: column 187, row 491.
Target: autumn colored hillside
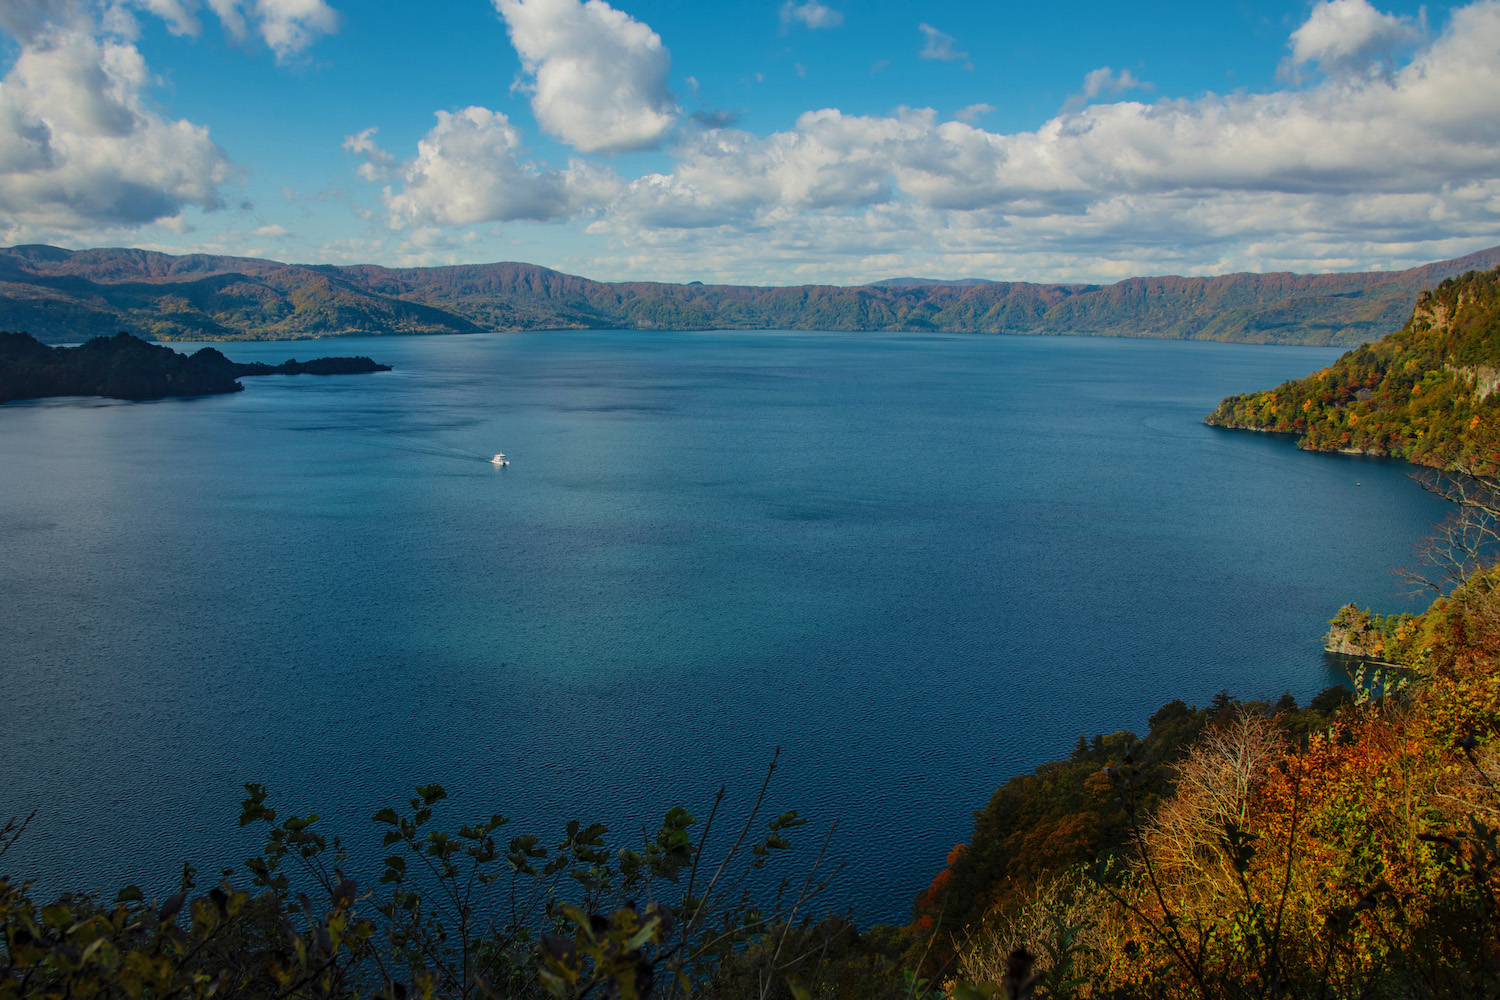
column 1349, row 849
column 62, row 295
column 1428, row 393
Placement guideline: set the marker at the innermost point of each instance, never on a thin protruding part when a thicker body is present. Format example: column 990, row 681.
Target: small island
column 126, row 367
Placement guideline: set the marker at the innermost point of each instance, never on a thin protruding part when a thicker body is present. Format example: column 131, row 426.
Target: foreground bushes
column 463, row 914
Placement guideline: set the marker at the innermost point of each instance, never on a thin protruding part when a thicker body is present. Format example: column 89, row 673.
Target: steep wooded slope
column 1429, row 393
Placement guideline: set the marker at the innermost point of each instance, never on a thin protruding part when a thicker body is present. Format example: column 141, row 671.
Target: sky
column 776, row 143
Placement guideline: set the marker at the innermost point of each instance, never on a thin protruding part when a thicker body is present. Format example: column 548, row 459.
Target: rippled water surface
column 918, row 564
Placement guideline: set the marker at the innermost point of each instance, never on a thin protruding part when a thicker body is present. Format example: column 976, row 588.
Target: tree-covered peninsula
column 126, row 367
column 1429, row 393
column 1349, row 848
column 1343, row 849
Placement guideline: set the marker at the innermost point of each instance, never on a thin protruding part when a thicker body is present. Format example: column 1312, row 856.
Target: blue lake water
column 919, row 564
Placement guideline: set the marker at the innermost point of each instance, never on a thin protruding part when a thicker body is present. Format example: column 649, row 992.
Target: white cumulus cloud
column 1104, row 79
column 286, row 26
column 81, row 146
column 25, row 19
column 469, row 169
column 1360, row 168
column 378, row 163
column 289, row 26
column 179, row 14
column 1345, row 35
column 598, row 77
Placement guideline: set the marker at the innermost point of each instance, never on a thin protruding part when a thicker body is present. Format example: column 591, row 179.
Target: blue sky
column 832, row 141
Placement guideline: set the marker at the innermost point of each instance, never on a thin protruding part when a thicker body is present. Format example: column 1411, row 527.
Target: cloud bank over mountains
column 1367, row 156
column 1381, row 143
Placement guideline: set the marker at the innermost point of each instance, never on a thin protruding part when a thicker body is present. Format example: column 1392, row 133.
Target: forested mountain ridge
column 62, row 295
column 1428, row 393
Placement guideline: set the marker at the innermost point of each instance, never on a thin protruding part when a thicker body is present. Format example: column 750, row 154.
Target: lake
column 918, row 564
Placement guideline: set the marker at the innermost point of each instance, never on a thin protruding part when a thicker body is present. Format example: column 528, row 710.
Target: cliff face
column 1365, row 636
column 1428, row 393
column 62, row 295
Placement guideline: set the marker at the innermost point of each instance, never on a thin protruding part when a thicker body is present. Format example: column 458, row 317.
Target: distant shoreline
column 59, row 294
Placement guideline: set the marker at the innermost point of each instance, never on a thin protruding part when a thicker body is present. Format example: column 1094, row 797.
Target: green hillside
column 1429, row 393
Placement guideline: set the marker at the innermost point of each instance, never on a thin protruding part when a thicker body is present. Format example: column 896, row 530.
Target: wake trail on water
column 397, row 441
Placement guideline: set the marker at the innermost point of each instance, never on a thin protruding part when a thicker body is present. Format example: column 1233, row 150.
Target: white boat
column 499, row 459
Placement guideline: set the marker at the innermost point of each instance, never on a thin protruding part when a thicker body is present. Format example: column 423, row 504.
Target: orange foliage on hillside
column 1361, row 857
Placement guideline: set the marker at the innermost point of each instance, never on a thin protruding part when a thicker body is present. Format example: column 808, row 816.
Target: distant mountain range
column 61, row 295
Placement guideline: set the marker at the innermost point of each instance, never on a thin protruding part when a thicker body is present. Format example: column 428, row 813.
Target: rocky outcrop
column 1486, row 379
column 359, row 365
column 1359, row 635
column 1428, row 393
column 1349, row 634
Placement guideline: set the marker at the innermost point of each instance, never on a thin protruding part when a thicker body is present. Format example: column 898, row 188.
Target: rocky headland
column 1426, row 393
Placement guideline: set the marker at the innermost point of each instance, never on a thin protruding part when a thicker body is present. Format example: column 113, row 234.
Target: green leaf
column 527, row 845
column 786, row 821
column 57, row 915
column 254, row 807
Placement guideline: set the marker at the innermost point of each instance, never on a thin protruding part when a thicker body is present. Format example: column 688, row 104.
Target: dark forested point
column 126, row 367
column 1429, row 393
column 318, row 366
